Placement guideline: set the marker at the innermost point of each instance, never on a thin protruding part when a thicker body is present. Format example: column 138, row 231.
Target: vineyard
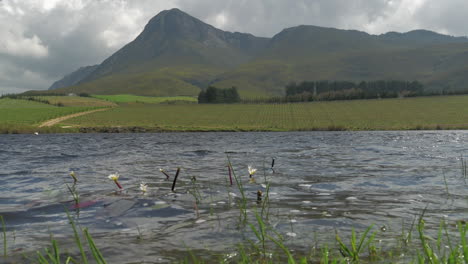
column 448, row 112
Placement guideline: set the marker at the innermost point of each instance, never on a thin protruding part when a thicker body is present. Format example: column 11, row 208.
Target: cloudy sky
column 42, row 40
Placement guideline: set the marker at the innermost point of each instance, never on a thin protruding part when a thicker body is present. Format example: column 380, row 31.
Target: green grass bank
column 439, row 112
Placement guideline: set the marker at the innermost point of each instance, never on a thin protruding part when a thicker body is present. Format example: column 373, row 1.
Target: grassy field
column 449, row 112
column 128, row 98
column 22, row 116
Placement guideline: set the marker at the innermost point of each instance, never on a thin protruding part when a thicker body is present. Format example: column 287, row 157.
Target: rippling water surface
column 322, row 181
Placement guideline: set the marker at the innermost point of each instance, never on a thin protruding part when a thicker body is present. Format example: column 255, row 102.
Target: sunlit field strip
column 75, row 101
column 388, row 114
column 128, row 98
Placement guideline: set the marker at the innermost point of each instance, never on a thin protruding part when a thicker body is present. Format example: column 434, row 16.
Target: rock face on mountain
column 177, row 54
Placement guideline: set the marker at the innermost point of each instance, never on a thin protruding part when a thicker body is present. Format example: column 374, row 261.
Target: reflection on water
column 321, row 181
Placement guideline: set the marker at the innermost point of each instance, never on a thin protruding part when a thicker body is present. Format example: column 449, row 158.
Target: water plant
column 251, row 171
column 74, row 194
column 115, row 178
column 230, row 174
column 143, row 187
column 73, row 175
column 175, row 179
column 243, row 201
column 164, row 172
column 463, row 168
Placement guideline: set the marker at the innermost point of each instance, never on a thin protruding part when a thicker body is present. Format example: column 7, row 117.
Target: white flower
column 251, row 170
column 143, row 187
column 114, row 177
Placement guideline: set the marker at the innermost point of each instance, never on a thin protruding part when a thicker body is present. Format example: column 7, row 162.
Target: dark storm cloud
column 41, row 41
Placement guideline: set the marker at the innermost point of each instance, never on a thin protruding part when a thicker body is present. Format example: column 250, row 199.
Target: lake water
column 322, row 182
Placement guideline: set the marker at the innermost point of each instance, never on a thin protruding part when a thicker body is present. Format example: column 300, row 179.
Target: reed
column 175, row 179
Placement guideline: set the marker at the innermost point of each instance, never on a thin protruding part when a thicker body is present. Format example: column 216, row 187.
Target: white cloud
column 19, row 45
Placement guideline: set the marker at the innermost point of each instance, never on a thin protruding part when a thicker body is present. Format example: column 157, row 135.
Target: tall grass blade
column 4, row 237
column 84, row 259
column 462, row 230
column 284, row 248
column 94, row 250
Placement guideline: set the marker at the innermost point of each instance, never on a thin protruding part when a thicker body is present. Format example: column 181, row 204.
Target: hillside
column 177, row 54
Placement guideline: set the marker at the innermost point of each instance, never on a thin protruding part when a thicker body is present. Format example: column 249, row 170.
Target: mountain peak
column 174, row 22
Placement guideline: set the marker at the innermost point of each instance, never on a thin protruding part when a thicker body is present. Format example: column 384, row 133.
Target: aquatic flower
column 251, row 171
column 115, row 178
column 143, row 187
column 72, row 174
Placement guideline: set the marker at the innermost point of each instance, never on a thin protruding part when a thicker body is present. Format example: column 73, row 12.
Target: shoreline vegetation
column 24, row 115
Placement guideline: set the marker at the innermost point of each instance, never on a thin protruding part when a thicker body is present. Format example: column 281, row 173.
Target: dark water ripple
column 322, row 181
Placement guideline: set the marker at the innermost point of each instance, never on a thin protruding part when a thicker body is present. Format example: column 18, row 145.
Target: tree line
column 346, row 90
column 213, row 95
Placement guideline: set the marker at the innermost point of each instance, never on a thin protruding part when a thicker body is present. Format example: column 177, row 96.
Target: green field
column 23, row 116
column 128, row 98
column 449, row 112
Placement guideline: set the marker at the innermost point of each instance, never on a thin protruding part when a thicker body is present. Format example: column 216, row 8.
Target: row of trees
column 213, row 95
column 344, row 90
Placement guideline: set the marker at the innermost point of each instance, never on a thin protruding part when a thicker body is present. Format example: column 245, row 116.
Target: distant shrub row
column 345, row 90
column 213, row 95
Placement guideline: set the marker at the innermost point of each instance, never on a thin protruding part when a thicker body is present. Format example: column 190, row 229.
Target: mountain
column 177, row 54
column 317, row 53
column 74, row 77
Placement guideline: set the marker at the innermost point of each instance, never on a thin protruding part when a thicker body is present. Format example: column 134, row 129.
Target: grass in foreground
column 128, row 98
column 445, row 112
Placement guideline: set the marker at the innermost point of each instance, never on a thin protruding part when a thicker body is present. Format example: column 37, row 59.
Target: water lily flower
column 115, row 178
column 72, row 174
column 143, row 187
column 251, row 171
